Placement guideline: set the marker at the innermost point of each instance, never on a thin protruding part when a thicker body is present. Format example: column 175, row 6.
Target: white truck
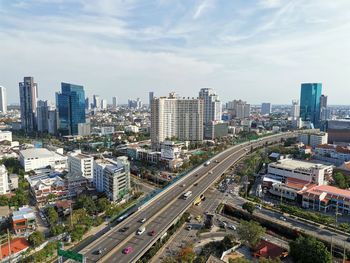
column 187, row 195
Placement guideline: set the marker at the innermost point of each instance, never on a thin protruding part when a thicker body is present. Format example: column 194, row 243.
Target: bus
column 187, row 195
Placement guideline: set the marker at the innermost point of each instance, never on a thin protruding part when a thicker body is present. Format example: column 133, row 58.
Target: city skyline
column 260, row 51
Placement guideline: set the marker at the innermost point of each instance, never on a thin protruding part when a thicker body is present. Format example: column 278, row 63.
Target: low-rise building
column 112, row 177
column 5, row 136
column 313, row 138
column 17, row 246
column 131, row 128
column 76, row 183
column 47, row 185
column 38, row 158
column 331, row 153
column 23, row 221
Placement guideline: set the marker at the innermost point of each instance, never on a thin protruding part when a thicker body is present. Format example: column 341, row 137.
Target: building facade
column 338, row 131
column 211, row 105
column 112, row 177
column 4, row 180
column 81, row 163
column 181, row 118
column 265, row 108
column 313, row 139
column 42, row 112
column 3, row 100
column 70, row 103
column 310, row 97
column 28, row 92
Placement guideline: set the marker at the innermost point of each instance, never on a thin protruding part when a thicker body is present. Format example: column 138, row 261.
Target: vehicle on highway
column 143, row 220
column 187, row 195
column 210, row 172
column 207, row 163
column 183, row 185
column 141, row 230
column 217, row 161
column 124, row 229
column 128, row 250
column 195, row 184
column 100, row 251
column 283, row 218
column 232, row 227
column 196, row 175
column 152, row 233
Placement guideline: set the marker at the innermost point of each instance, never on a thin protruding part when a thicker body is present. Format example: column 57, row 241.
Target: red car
column 152, row 233
column 127, row 250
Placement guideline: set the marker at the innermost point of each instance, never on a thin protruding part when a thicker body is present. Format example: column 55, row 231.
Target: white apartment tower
column 4, row 180
column 295, row 111
column 176, row 117
column 3, row 100
column 81, row 163
column 212, row 105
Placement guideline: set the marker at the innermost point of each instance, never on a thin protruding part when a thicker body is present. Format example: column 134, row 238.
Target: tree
column 36, row 238
column 250, row 232
column 52, row 215
column 309, row 250
column 102, row 204
column 269, row 260
column 169, row 260
column 87, row 203
column 186, row 254
column 340, row 180
column 249, row 207
column 4, row 201
column 239, row 260
column 227, row 242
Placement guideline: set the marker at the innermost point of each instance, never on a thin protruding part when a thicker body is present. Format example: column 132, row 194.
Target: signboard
column 70, row 254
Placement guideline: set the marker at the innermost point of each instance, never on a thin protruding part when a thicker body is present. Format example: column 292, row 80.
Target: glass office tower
column 310, row 102
column 71, row 108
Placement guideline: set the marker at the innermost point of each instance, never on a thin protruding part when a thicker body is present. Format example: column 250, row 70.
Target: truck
column 187, row 195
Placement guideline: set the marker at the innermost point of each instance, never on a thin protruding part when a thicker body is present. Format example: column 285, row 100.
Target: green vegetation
column 52, row 215
column 48, row 252
column 36, row 238
column 312, row 216
column 309, row 250
column 261, row 260
column 250, row 233
column 249, row 206
column 340, row 180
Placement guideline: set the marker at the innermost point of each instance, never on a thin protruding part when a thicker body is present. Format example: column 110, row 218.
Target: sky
column 255, row 50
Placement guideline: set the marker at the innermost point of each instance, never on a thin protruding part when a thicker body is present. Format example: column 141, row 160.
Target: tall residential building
column 28, row 92
column 82, row 164
column 176, row 117
column 324, row 113
column 114, row 102
column 239, row 109
column 42, row 116
column 87, row 103
column 104, row 104
column 310, row 97
column 295, row 110
column 112, row 177
column 4, row 180
column 3, row 100
column 150, row 96
column 212, row 105
column 265, row 108
column 96, row 102
column 70, row 103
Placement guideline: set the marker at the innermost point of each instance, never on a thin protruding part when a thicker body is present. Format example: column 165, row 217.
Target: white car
column 232, row 227
column 283, row 218
column 143, row 220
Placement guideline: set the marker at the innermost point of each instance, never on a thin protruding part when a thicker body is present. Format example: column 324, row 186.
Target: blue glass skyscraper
column 310, row 96
column 70, row 104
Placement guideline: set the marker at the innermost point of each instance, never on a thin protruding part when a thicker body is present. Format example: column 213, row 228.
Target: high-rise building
column 324, row 113
column 52, row 120
column 28, row 92
column 112, row 177
column 212, row 105
column 135, row 104
column 176, row 117
column 150, row 96
column 265, row 108
column 104, row 104
column 295, row 110
column 97, row 102
column 114, row 102
column 70, row 103
column 310, row 97
column 3, row 100
column 239, row 109
column 42, row 116
column 4, row 181
column 87, row 103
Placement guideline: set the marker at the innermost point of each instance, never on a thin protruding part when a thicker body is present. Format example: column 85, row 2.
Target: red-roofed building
column 17, row 245
column 326, row 198
column 267, row 249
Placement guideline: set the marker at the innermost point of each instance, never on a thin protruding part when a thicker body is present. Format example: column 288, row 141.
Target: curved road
column 166, row 208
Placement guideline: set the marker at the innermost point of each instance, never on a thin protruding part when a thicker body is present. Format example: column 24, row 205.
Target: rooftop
column 36, row 153
column 17, row 245
column 297, row 164
column 23, row 213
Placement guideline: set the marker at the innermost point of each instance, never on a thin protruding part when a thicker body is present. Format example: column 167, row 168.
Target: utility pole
column 9, row 243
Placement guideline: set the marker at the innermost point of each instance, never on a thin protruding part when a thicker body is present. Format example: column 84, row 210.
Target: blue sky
column 256, row 50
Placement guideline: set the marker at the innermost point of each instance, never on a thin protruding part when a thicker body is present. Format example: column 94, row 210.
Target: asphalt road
column 165, row 209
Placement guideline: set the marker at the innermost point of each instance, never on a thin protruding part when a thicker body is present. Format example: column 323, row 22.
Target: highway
column 165, row 208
